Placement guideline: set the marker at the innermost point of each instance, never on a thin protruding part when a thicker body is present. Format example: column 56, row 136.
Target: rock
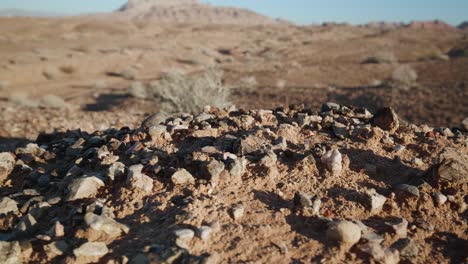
column 465, row 124
column 105, row 224
column 439, row 199
column 8, row 205
column 204, row 232
column 137, row 90
column 91, row 249
column 183, row 237
column 83, row 188
column 332, row 160
column 152, row 120
column 182, row 177
column 340, row 131
column 10, row 252
column 238, row 212
column 407, row 247
column 238, row 168
column 386, row 119
column 381, row 255
column 309, row 203
column 56, row 248
column 214, row 169
column 451, row 167
column 138, row 180
column 116, row 170
column 53, row 101
column 344, row 233
column 406, row 191
column 329, row 107
column 157, row 131
column 204, row 117
column 58, row 230
column 249, row 145
column 399, row 227
column 7, row 164
column 374, row 201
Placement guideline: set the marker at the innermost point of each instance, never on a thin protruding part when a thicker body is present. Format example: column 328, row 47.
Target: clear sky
column 299, row 11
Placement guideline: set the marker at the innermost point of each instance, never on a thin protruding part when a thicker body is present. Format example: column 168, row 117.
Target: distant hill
column 27, row 13
column 189, row 11
column 463, row 26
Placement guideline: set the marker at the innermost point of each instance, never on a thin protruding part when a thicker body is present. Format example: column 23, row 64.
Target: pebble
column 310, row 203
column 91, row 249
column 8, row 205
column 57, row 230
column 105, row 224
column 332, row 160
column 238, row 212
column 182, row 177
column 138, row 180
column 239, row 167
column 439, row 199
column 82, row 188
column 344, row 233
column 27, row 224
column 56, row 248
column 7, row 164
column 10, row 252
column 375, row 201
column 407, row 190
column 400, row 227
column 386, row 119
column 116, row 170
column 204, row 232
column 183, row 237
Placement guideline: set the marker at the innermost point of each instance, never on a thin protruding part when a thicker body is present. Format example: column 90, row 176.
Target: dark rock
column 386, row 119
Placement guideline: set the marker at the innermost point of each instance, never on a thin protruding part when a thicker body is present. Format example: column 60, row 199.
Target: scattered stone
column 214, row 169
column 8, row 205
column 10, row 252
column 91, row 249
column 330, row 106
column 406, row 190
column 407, row 247
column 374, row 201
column 204, row 232
column 106, row 224
column 182, row 177
column 309, row 203
column 116, row 170
column 439, row 199
column 340, row 130
column 398, row 148
column 138, row 180
column 238, row 168
column 345, row 233
column 332, row 160
column 183, row 237
column 238, row 212
column 57, row 230
column 399, row 227
column 27, row 224
column 451, row 167
column 386, row 119
column 83, row 188
column 56, row 248
column 7, row 164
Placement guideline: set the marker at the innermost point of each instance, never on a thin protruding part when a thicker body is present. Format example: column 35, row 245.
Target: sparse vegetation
column 382, row 57
column 68, row 69
column 180, row 93
column 404, row 76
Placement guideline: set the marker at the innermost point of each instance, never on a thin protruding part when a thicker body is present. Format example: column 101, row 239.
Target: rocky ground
column 289, row 185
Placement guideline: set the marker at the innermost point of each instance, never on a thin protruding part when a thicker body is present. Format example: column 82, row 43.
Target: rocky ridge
column 340, row 184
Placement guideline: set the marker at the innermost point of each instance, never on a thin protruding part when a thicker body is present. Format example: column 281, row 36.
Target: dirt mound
column 228, row 186
column 189, row 12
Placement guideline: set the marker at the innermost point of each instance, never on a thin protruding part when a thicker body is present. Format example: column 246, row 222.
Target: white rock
column 375, row 200
column 91, row 249
column 10, row 252
column 116, row 170
column 185, row 234
column 138, row 180
column 182, row 177
column 105, row 224
column 238, row 212
column 440, row 199
column 7, row 164
column 8, row 205
column 86, row 187
column 204, row 232
column 344, row 233
column 332, row 160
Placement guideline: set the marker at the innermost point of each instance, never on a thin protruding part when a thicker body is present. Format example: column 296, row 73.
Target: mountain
column 463, row 25
column 26, row 13
column 189, row 11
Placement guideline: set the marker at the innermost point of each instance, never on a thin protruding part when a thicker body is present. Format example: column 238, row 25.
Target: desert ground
column 89, row 175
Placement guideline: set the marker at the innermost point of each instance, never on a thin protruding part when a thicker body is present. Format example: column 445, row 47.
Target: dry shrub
column 180, row 93
column 68, row 69
column 382, row 57
column 404, row 76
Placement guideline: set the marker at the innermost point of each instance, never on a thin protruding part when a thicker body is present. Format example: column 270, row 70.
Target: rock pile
column 234, row 185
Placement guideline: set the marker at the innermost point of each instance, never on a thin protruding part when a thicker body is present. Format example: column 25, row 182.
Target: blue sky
column 299, row 11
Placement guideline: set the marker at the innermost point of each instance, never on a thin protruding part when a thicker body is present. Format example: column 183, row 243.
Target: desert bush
column 382, row 57
column 67, row 69
column 404, row 76
column 180, row 93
